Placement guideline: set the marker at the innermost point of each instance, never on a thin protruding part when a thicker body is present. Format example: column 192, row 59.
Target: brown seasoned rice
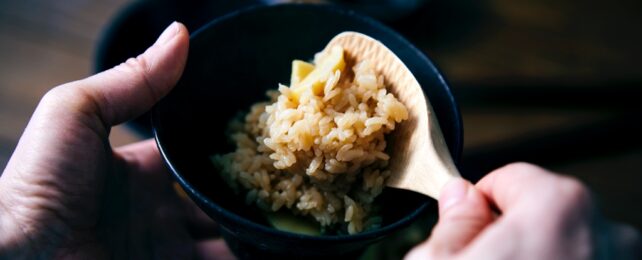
column 319, row 155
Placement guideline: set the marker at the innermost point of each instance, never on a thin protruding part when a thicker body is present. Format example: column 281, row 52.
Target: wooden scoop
column 420, row 160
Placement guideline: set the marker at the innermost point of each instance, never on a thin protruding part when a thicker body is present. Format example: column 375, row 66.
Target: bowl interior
column 234, row 60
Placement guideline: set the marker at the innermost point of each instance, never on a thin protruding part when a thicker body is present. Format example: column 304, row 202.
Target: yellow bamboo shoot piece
column 300, row 69
column 325, row 67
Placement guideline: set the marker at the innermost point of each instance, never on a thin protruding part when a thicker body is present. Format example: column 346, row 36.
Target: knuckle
column 65, row 97
column 138, row 65
column 139, row 69
column 522, row 167
column 134, row 68
column 465, row 217
column 573, row 194
column 71, row 99
column 573, row 191
column 56, row 94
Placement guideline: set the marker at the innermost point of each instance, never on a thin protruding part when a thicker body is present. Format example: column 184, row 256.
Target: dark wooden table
column 553, row 82
column 43, row 44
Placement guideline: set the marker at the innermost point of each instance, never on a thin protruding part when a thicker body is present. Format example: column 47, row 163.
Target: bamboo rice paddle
column 420, row 160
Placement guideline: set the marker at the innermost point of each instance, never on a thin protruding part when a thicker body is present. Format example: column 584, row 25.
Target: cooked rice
column 317, row 155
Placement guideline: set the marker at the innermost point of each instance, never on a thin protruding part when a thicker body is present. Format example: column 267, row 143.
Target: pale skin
column 66, row 193
column 522, row 211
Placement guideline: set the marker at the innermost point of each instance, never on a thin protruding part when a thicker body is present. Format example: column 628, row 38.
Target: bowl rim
column 201, row 199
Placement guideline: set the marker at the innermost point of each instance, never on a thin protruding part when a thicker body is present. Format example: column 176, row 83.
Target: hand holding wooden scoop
column 420, row 160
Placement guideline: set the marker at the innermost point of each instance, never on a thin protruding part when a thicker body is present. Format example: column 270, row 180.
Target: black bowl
column 232, row 62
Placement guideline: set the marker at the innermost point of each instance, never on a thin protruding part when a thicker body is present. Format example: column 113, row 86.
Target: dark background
column 552, row 82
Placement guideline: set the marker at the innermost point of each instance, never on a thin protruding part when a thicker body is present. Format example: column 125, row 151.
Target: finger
column 214, row 249
column 463, row 214
column 170, row 239
column 540, row 210
column 144, row 165
column 527, row 185
column 142, row 157
column 147, row 168
column 133, row 87
column 198, row 217
column 199, row 224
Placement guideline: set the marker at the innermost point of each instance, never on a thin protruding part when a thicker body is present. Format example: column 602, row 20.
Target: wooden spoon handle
column 429, row 165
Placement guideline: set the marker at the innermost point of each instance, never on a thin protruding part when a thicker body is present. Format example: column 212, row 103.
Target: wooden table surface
column 546, row 81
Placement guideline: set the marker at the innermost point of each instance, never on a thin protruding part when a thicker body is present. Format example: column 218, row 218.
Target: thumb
column 133, row 87
column 59, row 166
column 463, row 214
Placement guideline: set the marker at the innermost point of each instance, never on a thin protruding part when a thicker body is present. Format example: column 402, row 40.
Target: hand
column 66, row 193
column 541, row 216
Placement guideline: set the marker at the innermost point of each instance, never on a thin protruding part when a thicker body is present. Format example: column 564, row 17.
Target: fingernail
column 168, row 34
column 452, row 193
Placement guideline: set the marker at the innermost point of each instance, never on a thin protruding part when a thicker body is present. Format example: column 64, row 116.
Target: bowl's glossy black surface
column 232, row 62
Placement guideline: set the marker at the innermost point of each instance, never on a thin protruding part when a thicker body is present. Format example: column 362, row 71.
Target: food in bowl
column 316, row 149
